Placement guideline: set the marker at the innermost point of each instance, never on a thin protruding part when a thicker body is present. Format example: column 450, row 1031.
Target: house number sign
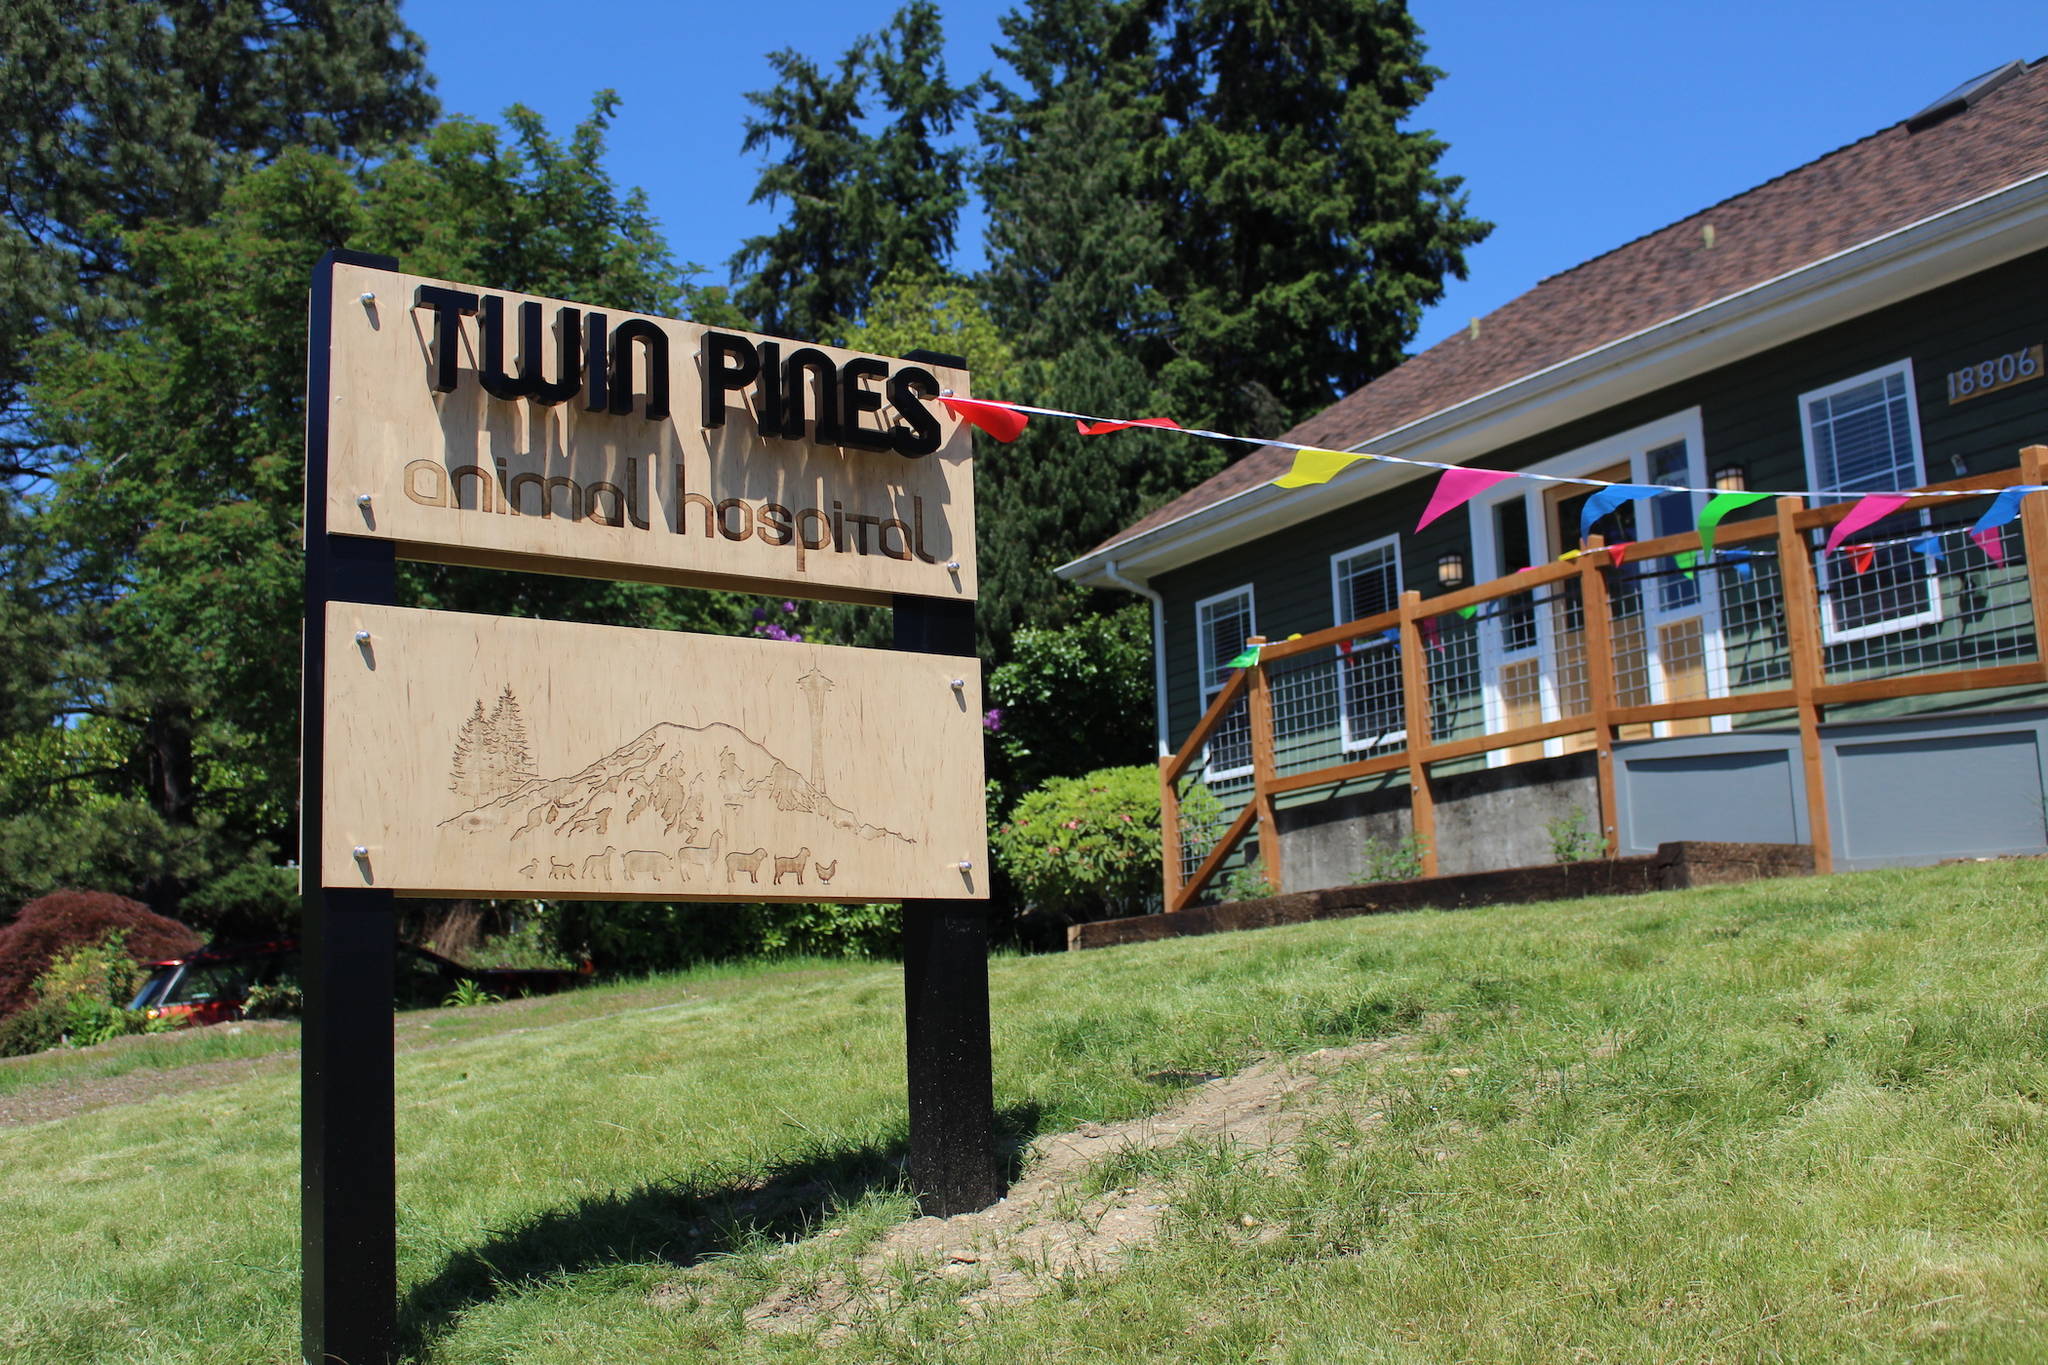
column 1999, row 372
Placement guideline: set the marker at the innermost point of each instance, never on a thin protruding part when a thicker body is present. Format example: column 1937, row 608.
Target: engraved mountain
column 673, row 792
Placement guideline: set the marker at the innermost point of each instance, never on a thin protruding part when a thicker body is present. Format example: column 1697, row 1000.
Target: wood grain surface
column 499, row 756
column 464, row 477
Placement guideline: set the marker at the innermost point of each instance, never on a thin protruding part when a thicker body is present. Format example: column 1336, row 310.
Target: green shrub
column 81, row 997
column 277, row 1000
column 1393, row 862
column 632, row 938
column 1573, row 840
column 1082, row 848
column 1247, row 883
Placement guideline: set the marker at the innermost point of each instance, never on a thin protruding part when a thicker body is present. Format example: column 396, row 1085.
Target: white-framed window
column 1365, row 581
column 1862, row 436
column 1223, row 624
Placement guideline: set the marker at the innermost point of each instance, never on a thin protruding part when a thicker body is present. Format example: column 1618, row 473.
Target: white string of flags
column 1459, row 484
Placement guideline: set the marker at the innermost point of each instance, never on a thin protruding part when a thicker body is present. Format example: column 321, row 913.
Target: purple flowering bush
column 777, row 624
column 1085, row 848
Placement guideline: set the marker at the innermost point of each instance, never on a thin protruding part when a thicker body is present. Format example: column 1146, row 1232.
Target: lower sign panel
column 485, row 755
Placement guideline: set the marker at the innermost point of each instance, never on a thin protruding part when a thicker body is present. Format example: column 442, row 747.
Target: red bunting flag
column 1617, row 552
column 1876, row 507
column 1861, row 557
column 1457, row 487
column 999, row 420
column 1104, row 428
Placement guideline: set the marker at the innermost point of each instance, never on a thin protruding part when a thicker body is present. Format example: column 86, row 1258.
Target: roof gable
column 1860, row 192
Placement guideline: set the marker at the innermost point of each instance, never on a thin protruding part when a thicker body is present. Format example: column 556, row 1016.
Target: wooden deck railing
column 1806, row 691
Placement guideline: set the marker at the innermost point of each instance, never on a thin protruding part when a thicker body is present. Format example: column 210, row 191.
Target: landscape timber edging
column 1672, row 867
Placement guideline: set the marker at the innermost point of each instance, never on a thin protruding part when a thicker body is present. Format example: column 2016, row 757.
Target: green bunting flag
column 1246, row 659
column 1721, row 506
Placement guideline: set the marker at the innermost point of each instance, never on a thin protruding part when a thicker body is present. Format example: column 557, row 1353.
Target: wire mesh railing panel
column 1937, row 602
column 1228, row 753
column 1756, row 650
column 1307, row 701
column 1206, row 810
column 1451, row 654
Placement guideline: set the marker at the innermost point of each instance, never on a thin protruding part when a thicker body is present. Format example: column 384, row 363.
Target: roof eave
column 1969, row 237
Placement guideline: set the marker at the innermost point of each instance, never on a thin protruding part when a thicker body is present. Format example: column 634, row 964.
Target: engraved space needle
column 815, row 686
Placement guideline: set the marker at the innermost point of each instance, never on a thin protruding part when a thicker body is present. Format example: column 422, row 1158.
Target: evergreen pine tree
column 861, row 206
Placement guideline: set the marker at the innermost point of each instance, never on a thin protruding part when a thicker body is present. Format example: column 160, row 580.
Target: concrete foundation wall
column 1488, row 819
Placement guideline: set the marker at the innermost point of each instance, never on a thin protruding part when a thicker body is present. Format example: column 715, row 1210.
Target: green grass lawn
column 1797, row 1121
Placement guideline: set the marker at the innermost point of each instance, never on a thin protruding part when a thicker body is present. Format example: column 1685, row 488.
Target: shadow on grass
column 680, row 1222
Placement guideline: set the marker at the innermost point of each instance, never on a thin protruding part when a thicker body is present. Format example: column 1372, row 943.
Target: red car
column 211, row 985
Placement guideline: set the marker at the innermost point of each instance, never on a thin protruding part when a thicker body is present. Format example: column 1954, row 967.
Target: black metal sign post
column 945, row 995
column 348, row 1197
column 348, row 1184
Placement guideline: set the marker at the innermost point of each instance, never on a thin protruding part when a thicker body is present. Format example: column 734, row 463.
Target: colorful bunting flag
column 1457, row 487
column 1861, row 557
column 1469, row 612
column 1721, row 505
column 1104, row 428
column 1618, row 551
column 1245, row 659
column 2003, row 508
column 1741, row 560
column 1607, row 499
column 1685, row 559
column 1318, row 466
column 1431, row 638
column 999, row 420
column 1876, row 507
column 1929, row 546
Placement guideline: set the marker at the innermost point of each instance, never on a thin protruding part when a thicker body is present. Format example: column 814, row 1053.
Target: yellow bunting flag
column 1318, row 466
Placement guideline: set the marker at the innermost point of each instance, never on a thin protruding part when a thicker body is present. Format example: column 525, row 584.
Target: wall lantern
column 1731, row 478
column 1450, row 570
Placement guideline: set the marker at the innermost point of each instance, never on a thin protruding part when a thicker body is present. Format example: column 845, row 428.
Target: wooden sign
column 496, row 756
column 481, row 427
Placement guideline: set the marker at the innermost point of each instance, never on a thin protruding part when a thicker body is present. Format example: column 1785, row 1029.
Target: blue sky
column 1576, row 125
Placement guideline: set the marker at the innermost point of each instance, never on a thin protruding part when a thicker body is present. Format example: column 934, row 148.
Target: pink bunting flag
column 999, row 420
column 1430, row 637
column 1876, row 507
column 1104, row 428
column 1617, row 552
column 1457, row 487
column 1992, row 543
column 1861, row 557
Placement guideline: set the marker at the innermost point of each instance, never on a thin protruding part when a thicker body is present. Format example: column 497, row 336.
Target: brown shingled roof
column 1862, row 191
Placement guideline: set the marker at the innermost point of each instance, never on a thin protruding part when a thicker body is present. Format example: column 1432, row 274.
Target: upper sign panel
column 480, row 427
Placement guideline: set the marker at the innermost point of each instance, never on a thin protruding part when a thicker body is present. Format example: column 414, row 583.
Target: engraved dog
column 749, row 863
column 785, row 866
column 599, row 864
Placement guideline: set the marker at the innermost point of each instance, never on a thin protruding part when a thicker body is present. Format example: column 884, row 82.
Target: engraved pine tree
column 508, row 763
column 466, row 774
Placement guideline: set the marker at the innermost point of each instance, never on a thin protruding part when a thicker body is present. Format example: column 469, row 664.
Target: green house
column 1869, row 322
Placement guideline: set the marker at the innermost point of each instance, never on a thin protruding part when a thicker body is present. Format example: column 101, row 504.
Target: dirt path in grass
column 1048, row 1227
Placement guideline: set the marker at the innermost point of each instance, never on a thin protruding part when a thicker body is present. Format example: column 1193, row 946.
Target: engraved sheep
column 749, row 863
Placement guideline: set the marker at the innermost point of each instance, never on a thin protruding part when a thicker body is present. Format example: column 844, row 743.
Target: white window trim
column 1631, row 445
column 1830, row 634
column 1207, row 667
column 1340, row 611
